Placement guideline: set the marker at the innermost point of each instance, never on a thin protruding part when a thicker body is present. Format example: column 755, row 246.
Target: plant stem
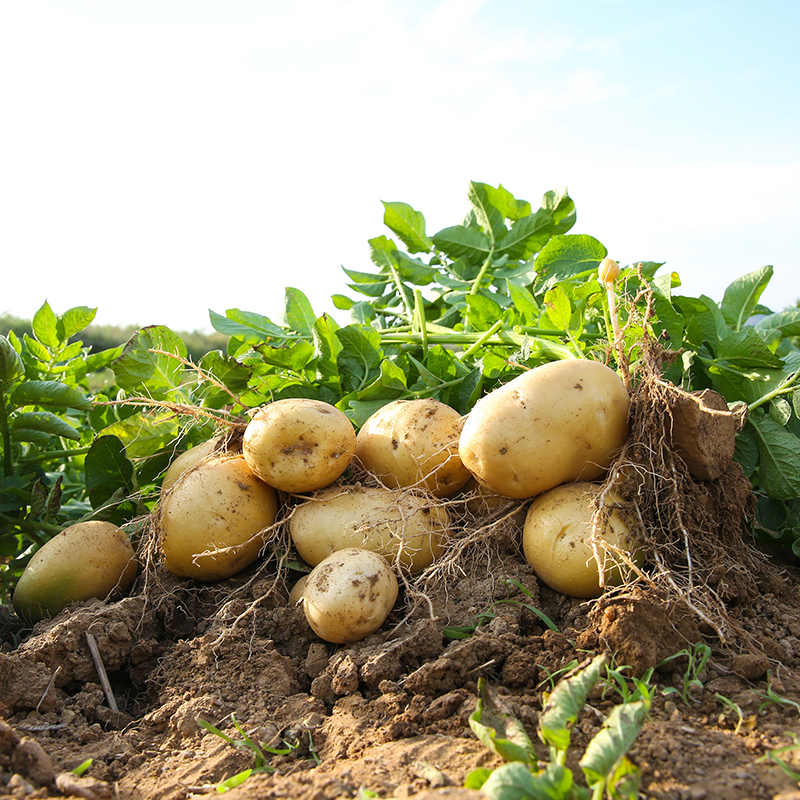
column 8, row 463
column 483, row 339
column 622, row 361
column 476, row 284
column 784, row 387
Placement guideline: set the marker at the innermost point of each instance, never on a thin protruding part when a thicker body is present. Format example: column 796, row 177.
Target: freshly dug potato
column 213, row 519
column 348, row 595
column 386, row 521
column 299, row 445
column 414, row 443
column 187, row 460
column 88, row 559
column 561, row 422
column 556, row 540
column 296, row 594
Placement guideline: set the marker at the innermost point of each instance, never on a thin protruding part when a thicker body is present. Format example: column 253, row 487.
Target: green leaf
column 45, row 326
column 52, row 394
column 488, row 216
column 360, row 356
column 342, row 302
column 499, row 729
column 367, row 283
column 559, row 308
column 141, row 371
column 36, row 349
column 527, row 236
column 741, row 297
column 11, row 368
column 227, row 371
column 568, row 256
column 46, row 422
column 482, row 312
column 515, row 781
column 409, row 225
column 745, row 348
column 612, row 742
column 107, row 470
column 561, row 206
column 565, row 703
column 144, row 434
column 779, row 458
column 458, row 240
column 246, row 325
column 73, row 321
column 783, row 323
column 298, row 313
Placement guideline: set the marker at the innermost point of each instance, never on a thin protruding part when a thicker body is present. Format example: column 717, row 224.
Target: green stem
column 402, row 290
column 8, row 463
column 483, row 339
column 77, row 451
column 419, row 317
column 783, row 388
column 31, row 528
column 476, row 284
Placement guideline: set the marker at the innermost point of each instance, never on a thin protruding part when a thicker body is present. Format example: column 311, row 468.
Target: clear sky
column 161, row 158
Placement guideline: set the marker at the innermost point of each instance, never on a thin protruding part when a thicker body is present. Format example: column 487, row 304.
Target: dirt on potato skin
column 390, row 713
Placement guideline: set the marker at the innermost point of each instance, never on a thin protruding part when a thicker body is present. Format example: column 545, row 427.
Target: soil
column 389, row 714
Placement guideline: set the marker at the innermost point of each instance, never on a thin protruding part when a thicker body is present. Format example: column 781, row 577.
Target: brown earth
column 388, row 715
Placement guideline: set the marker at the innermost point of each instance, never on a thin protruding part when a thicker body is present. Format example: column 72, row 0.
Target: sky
column 163, row 158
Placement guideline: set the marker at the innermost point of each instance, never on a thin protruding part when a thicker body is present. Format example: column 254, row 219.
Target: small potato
column 557, row 540
column 386, row 521
column 348, row 595
column 186, row 461
column 214, row 518
column 561, row 422
column 299, row 445
column 414, row 443
column 88, row 559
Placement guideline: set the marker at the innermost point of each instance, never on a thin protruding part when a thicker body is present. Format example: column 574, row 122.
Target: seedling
column 605, row 766
column 775, row 757
column 771, row 697
column 698, row 657
column 731, row 707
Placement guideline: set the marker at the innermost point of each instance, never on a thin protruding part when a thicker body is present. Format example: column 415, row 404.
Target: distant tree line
column 104, row 337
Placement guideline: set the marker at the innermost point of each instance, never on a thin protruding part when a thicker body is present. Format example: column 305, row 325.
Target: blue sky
column 165, row 158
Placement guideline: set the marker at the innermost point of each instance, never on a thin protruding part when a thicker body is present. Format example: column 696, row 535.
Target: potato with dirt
column 349, row 595
column 299, row 445
column 557, row 539
column 560, row 422
column 86, row 560
column 414, row 443
column 403, row 527
column 215, row 519
column 188, row 459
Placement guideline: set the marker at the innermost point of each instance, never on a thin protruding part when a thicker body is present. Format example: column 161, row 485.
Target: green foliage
column 604, row 764
column 697, row 657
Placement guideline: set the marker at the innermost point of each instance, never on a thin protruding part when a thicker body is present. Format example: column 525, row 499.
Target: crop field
column 526, row 526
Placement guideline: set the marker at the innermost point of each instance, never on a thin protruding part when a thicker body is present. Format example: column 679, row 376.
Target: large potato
column 563, row 421
column 396, row 524
column 557, row 540
column 186, row 460
column 299, row 445
column 414, row 443
column 88, row 559
column 348, row 595
column 214, row 519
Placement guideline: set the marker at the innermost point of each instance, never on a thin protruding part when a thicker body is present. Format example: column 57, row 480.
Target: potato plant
column 448, row 316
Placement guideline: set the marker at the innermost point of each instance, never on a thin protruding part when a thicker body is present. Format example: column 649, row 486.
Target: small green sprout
column 698, row 657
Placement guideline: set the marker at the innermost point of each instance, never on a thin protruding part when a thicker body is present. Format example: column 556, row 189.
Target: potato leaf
column 741, row 297
column 568, row 256
column 409, row 225
column 616, row 736
column 11, row 368
column 779, row 458
column 51, row 394
column 150, row 364
column 45, row 422
column 45, row 326
column 499, row 729
column 565, row 703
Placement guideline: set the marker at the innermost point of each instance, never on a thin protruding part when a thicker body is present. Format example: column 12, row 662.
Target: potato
column 386, row 521
column 296, row 594
column 299, row 445
column 414, row 443
column 556, row 540
column 88, row 559
column 187, row 460
column 348, row 595
column 213, row 519
column 561, row 422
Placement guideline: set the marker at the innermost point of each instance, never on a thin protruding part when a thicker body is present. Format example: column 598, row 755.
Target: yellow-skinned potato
column 296, row 594
column 299, row 445
column 186, row 461
column 386, row 521
column 414, row 443
column 557, row 540
column 86, row 560
column 213, row 519
column 348, row 595
column 561, row 422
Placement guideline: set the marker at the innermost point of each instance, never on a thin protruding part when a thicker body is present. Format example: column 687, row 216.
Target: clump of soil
column 390, row 714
